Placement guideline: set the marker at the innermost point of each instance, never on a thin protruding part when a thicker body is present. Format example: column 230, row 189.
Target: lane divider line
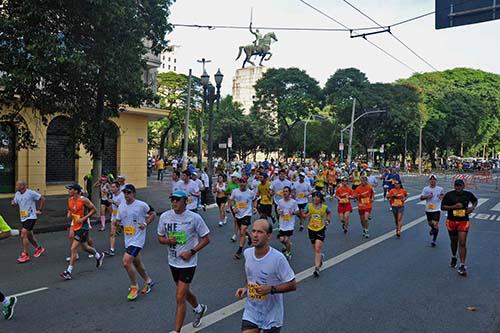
column 29, row 292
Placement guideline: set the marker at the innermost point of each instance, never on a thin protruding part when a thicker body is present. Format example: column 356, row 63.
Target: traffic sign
column 341, row 146
column 372, row 150
column 230, row 142
column 222, row 145
column 453, row 13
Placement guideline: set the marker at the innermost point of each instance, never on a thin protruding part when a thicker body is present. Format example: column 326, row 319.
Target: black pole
column 211, row 97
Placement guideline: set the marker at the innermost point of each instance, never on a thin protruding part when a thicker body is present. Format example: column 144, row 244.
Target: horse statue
column 260, row 49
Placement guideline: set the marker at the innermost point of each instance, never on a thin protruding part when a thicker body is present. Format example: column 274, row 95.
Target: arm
column 91, row 208
column 201, row 244
column 278, row 289
column 42, row 205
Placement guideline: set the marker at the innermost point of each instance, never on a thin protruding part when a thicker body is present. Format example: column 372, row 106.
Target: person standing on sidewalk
column 268, row 276
column 459, row 204
column 8, row 304
column 26, row 200
column 160, row 166
column 185, row 233
column 135, row 215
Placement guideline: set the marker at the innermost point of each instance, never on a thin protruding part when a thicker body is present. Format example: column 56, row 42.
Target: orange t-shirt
column 344, row 193
column 77, row 210
column 331, row 176
column 399, row 199
column 364, row 193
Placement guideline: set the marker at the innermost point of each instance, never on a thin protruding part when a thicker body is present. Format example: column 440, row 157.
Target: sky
column 320, row 54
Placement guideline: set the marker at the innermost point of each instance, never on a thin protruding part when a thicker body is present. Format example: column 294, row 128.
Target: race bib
column 252, row 292
column 24, row 214
column 315, row 222
column 114, row 212
column 189, row 200
column 180, row 237
column 397, row 202
column 286, row 217
column 431, row 206
column 301, row 195
column 129, row 230
column 241, row 205
column 279, row 193
column 344, row 200
column 459, row 213
column 74, row 219
column 365, row 201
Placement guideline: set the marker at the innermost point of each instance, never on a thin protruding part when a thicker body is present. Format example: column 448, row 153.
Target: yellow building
column 50, row 166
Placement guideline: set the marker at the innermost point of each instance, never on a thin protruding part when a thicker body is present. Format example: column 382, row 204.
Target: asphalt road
column 379, row 285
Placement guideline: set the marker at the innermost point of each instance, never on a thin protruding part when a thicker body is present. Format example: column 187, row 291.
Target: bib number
column 24, row 214
column 129, row 230
column 365, row 201
column 180, row 237
column 301, row 195
column 74, row 219
column 286, row 217
column 241, row 205
column 344, row 200
column 252, row 292
column 398, row 202
column 114, row 212
column 459, row 213
column 431, row 206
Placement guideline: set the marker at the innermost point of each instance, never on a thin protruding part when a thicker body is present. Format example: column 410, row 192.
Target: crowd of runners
column 286, row 197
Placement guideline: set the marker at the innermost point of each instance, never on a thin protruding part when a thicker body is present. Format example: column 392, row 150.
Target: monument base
column 243, row 85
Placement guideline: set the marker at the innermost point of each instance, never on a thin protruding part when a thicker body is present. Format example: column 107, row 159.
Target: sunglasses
column 175, row 199
column 127, row 192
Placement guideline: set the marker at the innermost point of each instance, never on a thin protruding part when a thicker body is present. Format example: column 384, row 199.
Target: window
column 175, row 68
column 7, row 158
column 168, row 59
column 60, row 157
column 175, row 60
column 168, row 67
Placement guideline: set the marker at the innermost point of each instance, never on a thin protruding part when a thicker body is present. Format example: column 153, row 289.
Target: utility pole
column 420, row 150
column 186, row 126
column 349, row 151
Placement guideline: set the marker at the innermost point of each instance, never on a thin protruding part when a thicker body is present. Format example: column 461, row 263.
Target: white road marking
column 29, row 292
column 237, row 306
column 496, row 207
column 407, row 200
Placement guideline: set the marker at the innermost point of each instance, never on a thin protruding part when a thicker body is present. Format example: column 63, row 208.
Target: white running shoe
column 69, row 258
column 233, row 238
column 14, row 232
column 221, row 223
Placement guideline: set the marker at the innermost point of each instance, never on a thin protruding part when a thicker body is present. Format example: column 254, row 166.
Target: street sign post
column 230, row 142
column 222, row 145
column 382, row 149
column 341, row 146
column 453, row 13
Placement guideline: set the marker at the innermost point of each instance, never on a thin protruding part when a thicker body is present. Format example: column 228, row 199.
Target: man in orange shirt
column 397, row 197
column 344, row 194
column 331, row 178
column 364, row 193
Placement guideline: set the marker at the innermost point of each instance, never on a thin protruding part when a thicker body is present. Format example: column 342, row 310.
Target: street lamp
column 318, row 117
column 211, row 94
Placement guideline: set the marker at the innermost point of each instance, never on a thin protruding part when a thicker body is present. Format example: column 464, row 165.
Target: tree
column 82, row 58
column 284, row 97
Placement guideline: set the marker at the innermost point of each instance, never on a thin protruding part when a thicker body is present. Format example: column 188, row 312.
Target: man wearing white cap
column 433, row 195
column 302, row 190
column 121, row 179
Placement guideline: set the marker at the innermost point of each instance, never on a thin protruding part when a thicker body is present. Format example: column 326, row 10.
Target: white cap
column 302, row 174
column 432, row 176
column 121, row 176
column 236, row 175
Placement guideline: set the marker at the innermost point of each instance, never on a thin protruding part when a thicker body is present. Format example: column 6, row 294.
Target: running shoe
column 69, row 258
column 233, row 238
column 316, row 272
column 398, row 234
column 433, row 244
column 98, row 262
column 225, row 219
column 38, row 252
column 453, row 262
column 132, row 293
column 8, row 310
column 301, row 228
column 91, row 256
column 204, row 208
column 370, row 217
column 147, row 287
column 65, row 275
column 367, row 234
column 237, row 255
column 431, row 232
column 109, row 253
column 462, row 270
column 24, row 257
column 344, row 228
column 199, row 315
column 221, row 223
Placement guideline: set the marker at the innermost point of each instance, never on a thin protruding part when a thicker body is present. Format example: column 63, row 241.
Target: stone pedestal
column 243, row 85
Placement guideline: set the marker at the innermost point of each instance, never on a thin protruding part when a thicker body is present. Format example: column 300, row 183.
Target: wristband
column 273, row 290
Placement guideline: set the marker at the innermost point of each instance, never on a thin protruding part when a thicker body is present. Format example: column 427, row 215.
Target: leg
column 462, row 248
column 181, row 294
column 346, row 218
column 435, row 227
column 74, row 251
column 112, row 236
column 317, row 252
column 139, row 266
column 243, row 233
column 128, row 264
column 453, row 242
column 32, row 240
column 103, row 217
column 24, row 239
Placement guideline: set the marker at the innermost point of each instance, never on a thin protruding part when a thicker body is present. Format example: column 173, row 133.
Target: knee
column 462, row 244
column 180, row 298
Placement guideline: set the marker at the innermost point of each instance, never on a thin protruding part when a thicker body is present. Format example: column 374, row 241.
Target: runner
column 331, row 177
column 365, row 195
column 206, row 184
column 117, row 198
column 241, row 201
column 5, row 230
column 302, row 190
column 26, row 200
column 105, row 190
column 201, row 186
column 265, row 204
column 268, row 276
column 319, row 182
column 221, row 198
column 277, row 188
column 232, row 185
column 135, row 215
column 385, row 182
column 186, row 234
column 121, row 179
column 176, row 181
column 344, row 194
column 397, row 197
column 192, row 189
column 433, row 195
column 355, row 179
column 79, row 226
column 459, row 204
column 319, row 217
column 287, row 209
column 8, row 304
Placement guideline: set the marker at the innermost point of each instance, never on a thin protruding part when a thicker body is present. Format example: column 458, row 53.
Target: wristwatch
column 193, row 252
column 273, row 290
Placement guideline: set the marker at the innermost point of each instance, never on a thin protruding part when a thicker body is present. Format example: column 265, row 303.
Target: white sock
column 70, row 268
column 112, row 249
column 97, row 255
column 6, row 301
column 198, row 308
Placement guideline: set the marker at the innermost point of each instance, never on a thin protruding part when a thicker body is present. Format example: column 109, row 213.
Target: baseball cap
column 302, row 174
column 179, row 194
column 121, row 176
column 194, row 173
column 459, row 182
column 129, row 187
column 265, row 175
column 236, row 175
column 74, row 186
column 432, row 176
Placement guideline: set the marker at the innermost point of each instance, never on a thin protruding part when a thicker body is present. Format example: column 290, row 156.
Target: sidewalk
column 54, row 215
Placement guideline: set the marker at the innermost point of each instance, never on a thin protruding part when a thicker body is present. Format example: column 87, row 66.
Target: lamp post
column 211, row 94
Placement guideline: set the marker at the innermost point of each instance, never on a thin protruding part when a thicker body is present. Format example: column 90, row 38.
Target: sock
column 97, row 255
column 240, row 249
column 103, row 220
column 112, row 249
column 198, row 308
column 70, row 268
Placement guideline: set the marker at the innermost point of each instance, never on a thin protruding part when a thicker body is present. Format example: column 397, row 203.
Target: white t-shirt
column 174, row 164
column 27, row 204
column 243, row 202
column 205, row 180
column 277, row 186
column 433, row 204
column 187, row 228
column 372, row 180
column 116, row 201
column 271, row 270
column 200, row 183
column 177, row 185
column 302, row 191
column 254, row 183
column 190, row 188
column 131, row 216
column 287, row 216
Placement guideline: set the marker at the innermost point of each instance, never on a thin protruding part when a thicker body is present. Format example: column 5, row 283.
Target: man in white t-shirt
column 117, row 197
column 433, row 195
column 201, row 186
column 176, row 181
column 174, row 164
column 277, row 186
column 287, row 209
column 186, row 234
column 302, row 189
column 268, row 276
column 26, row 199
column 135, row 215
column 192, row 189
column 242, row 203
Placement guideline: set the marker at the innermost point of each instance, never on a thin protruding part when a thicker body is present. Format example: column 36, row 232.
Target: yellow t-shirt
column 263, row 191
column 317, row 216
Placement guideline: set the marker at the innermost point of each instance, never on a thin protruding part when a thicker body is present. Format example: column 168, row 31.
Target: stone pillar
column 243, row 85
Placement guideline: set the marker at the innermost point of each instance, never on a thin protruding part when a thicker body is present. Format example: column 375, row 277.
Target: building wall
column 131, row 154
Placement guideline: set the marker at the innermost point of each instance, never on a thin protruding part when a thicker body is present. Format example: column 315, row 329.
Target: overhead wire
column 372, row 43
column 392, row 34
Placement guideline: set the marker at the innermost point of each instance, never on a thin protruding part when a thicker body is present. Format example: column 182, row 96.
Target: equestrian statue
column 260, row 47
